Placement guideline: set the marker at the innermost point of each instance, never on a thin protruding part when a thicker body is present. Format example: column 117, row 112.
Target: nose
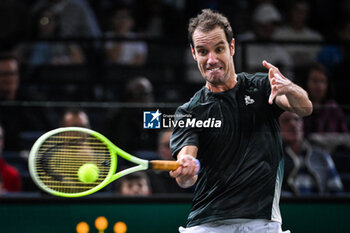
column 212, row 58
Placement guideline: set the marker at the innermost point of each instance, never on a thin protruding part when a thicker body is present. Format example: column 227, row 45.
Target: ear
column 193, row 53
column 232, row 47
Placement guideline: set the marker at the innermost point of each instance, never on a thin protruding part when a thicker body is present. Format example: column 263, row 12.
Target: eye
column 220, row 49
column 202, row 52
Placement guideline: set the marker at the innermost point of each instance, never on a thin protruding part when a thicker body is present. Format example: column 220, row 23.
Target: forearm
column 295, row 100
column 287, row 95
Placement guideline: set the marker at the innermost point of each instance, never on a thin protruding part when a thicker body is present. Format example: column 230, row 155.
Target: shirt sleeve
column 182, row 136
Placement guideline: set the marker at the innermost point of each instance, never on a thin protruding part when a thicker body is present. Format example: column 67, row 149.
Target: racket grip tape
column 164, row 165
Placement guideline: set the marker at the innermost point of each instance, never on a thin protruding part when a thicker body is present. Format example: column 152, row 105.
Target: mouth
column 214, row 69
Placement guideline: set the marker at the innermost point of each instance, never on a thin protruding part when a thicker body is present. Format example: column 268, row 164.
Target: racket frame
column 111, row 176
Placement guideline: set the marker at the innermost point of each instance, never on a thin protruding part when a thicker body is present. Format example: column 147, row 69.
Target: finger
column 277, row 74
column 176, row 173
column 172, row 174
column 186, row 171
column 272, row 97
column 271, row 73
column 268, row 65
column 273, row 81
column 191, row 169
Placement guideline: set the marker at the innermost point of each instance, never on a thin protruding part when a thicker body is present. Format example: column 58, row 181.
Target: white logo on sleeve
column 248, row 100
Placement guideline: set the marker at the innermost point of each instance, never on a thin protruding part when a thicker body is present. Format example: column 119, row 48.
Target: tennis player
column 238, row 186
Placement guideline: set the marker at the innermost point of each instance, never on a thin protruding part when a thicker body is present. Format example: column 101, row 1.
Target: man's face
column 8, row 79
column 213, row 55
column 317, row 85
column 78, row 120
column 163, row 147
column 299, row 13
column 138, row 187
column 291, row 127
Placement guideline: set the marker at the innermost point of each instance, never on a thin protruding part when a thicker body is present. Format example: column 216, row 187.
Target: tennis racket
column 56, row 157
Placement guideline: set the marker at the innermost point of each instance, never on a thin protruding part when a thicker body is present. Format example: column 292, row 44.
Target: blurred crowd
column 100, row 64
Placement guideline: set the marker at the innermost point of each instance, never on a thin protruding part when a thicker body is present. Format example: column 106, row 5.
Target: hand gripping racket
column 57, row 155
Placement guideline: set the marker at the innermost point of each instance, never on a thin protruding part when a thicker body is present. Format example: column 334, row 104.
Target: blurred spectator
column 75, row 17
column 159, row 18
column 297, row 30
column 308, row 170
column 10, row 180
column 124, row 52
column 17, row 119
column 75, row 117
column 91, row 17
column 134, row 184
column 161, row 181
column 164, row 144
column 9, row 77
column 327, row 116
column 124, row 126
column 45, row 26
column 265, row 19
column 336, row 55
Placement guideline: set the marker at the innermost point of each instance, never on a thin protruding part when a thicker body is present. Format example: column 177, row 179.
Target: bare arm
column 289, row 96
column 186, row 174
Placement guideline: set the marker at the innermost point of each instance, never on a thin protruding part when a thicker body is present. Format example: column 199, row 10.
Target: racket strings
column 61, row 156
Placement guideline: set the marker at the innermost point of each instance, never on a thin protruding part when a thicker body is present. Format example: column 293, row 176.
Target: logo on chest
column 248, row 100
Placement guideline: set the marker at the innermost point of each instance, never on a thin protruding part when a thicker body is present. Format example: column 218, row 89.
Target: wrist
column 186, row 182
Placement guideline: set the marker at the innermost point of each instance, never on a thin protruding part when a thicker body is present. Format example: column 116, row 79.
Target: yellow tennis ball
column 88, row 173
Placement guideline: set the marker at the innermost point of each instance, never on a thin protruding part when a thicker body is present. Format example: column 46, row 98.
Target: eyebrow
column 219, row 43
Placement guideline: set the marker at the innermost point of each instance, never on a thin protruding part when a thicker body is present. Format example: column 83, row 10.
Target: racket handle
column 164, row 165
column 167, row 165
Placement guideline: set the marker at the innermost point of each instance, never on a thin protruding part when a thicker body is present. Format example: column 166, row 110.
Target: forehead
column 208, row 38
column 81, row 116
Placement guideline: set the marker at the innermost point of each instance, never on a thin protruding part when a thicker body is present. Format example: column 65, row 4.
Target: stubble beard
column 216, row 81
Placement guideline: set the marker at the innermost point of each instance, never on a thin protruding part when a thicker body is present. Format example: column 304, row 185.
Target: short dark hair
column 75, row 111
column 318, row 67
column 206, row 21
